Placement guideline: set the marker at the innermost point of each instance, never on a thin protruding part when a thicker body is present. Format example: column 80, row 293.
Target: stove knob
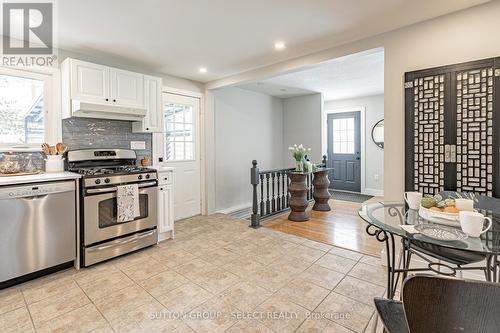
column 147, row 176
column 140, row 177
column 107, row 180
column 97, row 181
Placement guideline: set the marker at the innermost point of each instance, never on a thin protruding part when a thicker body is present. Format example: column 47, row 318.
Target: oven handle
column 121, row 242
column 114, row 188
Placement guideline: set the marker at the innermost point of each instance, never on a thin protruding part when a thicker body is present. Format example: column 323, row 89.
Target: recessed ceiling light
column 283, row 89
column 202, row 70
column 279, row 45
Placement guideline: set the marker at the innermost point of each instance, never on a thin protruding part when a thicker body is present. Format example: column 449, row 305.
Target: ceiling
column 228, row 37
column 356, row 75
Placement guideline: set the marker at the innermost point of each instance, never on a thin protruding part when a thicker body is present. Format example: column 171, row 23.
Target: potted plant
column 298, row 153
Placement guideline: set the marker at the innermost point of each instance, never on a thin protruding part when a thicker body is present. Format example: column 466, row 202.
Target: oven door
column 100, row 212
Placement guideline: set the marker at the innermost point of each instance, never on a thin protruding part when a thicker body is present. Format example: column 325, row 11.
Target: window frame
column 51, row 105
column 343, row 133
column 184, row 123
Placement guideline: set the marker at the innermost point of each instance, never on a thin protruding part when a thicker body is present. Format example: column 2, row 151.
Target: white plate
column 441, row 233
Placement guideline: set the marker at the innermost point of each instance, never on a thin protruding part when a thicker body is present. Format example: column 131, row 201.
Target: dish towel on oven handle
column 127, row 198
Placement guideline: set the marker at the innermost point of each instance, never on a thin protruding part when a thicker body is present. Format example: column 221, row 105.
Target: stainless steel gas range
column 102, row 237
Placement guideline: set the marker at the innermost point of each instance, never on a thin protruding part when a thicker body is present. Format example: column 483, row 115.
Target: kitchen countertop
column 41, row 177
column 163, row 168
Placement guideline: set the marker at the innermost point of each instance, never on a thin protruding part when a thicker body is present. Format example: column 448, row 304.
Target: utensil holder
column 54, row 163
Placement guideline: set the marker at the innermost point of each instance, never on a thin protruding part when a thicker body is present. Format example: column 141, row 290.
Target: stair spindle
column 278, row 197
column 273, row 198
column 262, row 212
column 283, row 189
column 268, row 202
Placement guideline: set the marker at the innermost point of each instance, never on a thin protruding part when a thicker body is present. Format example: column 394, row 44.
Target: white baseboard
column 166, row 235
column 374, row 192
column 234, row 208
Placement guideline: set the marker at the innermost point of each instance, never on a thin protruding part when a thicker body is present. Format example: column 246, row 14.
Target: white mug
column 413, row 199
column 465, row 204
column 472, row 223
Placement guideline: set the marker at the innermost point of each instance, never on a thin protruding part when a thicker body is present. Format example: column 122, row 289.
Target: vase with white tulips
column 298, row 153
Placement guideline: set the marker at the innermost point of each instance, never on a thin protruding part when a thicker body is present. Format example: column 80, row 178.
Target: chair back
column 484, row 202
column 441, row 304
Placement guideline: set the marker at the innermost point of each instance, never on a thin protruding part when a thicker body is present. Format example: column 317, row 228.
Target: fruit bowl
column 450, row 219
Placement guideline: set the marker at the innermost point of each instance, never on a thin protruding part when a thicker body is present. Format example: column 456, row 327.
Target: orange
column 451, row 210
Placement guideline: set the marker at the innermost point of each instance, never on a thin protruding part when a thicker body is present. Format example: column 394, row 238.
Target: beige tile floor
column 218, row 275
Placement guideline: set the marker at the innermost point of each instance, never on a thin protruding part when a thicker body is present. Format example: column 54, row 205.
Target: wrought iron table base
column 395, row 271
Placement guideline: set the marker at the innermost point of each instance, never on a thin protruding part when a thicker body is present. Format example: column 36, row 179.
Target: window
column 343, row 136
column 179, row 141
column 24, row 100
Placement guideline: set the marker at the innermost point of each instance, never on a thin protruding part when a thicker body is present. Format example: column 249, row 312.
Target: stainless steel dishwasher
column 37, row 227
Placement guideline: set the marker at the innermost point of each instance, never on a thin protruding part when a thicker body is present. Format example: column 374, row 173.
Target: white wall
column 463, row 36
column 248, row 126
column 301, row 118
column 374, row 155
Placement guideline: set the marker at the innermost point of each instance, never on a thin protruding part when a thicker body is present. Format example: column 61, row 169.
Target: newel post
column 254, row 179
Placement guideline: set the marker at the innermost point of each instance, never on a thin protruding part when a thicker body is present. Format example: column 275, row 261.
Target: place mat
column 409, row 228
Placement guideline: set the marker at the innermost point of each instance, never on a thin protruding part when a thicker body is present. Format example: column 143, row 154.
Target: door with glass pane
column 344, row 151
column 182, row 151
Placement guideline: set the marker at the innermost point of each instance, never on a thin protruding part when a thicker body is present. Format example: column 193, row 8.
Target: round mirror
column 378, row 133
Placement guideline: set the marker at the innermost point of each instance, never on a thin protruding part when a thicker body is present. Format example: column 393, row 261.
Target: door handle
column 114, row 188
column 358, row 158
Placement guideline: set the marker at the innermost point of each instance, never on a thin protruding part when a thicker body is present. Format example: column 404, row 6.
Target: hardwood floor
column 340, row 227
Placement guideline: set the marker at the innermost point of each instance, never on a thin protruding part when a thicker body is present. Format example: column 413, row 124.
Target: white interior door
column 181, row 150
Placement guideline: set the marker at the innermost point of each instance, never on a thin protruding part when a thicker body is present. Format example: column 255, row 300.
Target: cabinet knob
column 114, row 100
column 107, row 99
column 147, row 128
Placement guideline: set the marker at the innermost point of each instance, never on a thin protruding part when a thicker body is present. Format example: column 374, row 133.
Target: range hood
column 106, row 111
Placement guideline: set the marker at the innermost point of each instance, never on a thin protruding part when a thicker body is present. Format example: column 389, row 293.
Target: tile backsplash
column 83, row 133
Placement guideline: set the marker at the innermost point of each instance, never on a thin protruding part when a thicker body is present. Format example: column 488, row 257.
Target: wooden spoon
column 53, row 150
column 61, row 148
column 46, row 148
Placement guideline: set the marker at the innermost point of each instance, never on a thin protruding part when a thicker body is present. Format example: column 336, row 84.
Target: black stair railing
column 270, row 194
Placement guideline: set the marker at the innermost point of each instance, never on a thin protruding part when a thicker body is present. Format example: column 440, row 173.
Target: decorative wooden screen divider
column 270, row 191
column 452, row 128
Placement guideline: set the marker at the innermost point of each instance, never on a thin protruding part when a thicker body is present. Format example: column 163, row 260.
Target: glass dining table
column 384, row 222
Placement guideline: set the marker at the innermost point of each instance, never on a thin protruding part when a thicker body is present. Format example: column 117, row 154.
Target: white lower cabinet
column 165, row 205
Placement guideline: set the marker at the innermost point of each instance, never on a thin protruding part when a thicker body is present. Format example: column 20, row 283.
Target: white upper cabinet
column 153, row 121
column 96, row 91
column 127, row 88
column 89, row 82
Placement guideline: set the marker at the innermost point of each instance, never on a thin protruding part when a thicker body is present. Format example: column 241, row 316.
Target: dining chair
column 442, row 304
column 483, row 202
